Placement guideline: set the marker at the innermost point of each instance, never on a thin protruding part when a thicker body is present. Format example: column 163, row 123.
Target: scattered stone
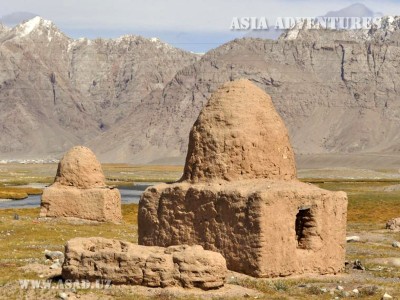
column 386, row 296
column 357, row 265
column 239, row 194
column 356, row 291
column 54, row 255
column 396, row 244
column 79, row 190
column 393, row 224
column 354, row 238
column 63, row 296
column 339, row 288
column 127, row 263
column 55, row 265
column 232, row 280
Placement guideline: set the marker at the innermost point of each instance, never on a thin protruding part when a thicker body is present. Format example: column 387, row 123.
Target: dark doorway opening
column 304, row 222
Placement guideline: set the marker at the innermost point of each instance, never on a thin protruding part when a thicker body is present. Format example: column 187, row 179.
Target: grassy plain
column 371, row 204
column 17, row 181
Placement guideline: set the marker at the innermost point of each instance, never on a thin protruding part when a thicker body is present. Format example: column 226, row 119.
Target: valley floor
column 374, row 198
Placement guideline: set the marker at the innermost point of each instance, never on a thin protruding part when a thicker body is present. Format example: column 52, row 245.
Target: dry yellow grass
column 23, row 241
column 368, row 202
column 116, row 174
column 131, row 173
column 18, row 193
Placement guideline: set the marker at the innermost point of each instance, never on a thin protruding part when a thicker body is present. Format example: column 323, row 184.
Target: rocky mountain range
column 134, row 99
column 56, row 92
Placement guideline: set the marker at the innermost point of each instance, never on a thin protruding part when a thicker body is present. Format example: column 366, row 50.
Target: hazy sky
column 176, row 21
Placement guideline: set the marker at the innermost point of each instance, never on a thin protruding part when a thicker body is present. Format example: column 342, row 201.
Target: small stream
column 128, row 195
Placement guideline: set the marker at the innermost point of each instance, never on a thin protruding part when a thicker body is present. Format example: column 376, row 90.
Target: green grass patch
column 341, row 181
column 18, row 193
column 15, row 174
column 25, row 239
column 368, row 202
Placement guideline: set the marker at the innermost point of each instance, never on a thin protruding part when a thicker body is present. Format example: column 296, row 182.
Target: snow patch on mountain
column 29, row 26
column 39, row 27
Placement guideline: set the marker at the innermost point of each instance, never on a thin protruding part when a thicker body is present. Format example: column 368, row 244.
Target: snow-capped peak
column 39, row 27
column 32, row 25
column 159, row 43
column 125, row 38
